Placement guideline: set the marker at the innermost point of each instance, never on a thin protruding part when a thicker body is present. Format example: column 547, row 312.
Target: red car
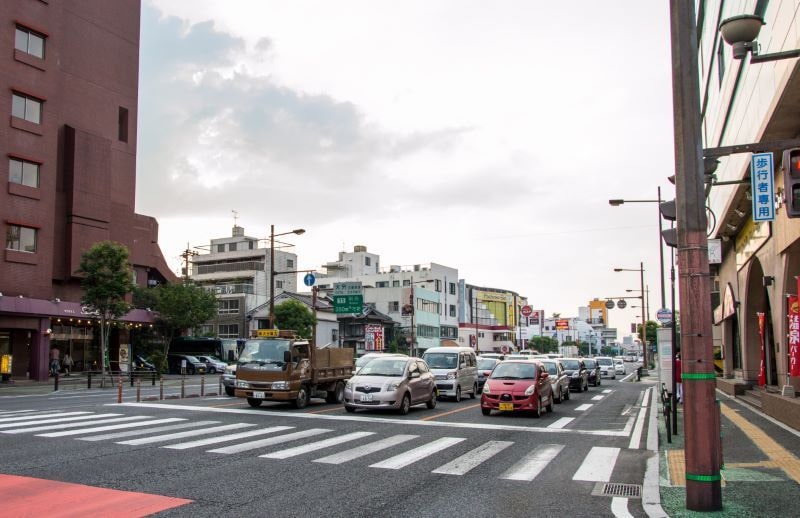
column 518, row 385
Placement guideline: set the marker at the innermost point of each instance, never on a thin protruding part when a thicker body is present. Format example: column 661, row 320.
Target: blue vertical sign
column 763, row 186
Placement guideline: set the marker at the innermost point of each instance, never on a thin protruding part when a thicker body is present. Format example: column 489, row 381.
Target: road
column 226, row 458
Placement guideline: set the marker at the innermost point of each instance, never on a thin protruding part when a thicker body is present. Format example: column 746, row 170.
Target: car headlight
column 530, row 390
column 230, row 370
column 576, row 374
column 349, row 384
column 486, row 388
column 280, row 385
column 391, row 387
column 242, row 384
column 451, row 375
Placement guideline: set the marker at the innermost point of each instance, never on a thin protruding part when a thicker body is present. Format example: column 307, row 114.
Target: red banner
column 762, row 372
column 794, row 336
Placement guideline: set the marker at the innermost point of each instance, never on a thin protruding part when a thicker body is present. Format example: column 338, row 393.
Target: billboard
column 373, row 337
column 562, row 324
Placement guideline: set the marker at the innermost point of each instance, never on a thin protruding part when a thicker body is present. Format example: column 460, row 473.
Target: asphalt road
column 229, row 459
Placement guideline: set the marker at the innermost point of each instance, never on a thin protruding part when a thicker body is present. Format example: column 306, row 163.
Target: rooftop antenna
column 235, row 217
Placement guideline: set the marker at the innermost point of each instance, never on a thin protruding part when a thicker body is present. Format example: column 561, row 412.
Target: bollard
column 138, row 390
column 131, row 374
column 161, row 389
column 153, row 378
column 202, row 385
column 183, row 387
column 55, row 388
column 89, row 381
column 119, row 390
column 638, row 374
column 220, row 386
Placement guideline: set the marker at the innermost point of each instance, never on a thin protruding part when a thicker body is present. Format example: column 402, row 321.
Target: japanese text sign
column 763, row 187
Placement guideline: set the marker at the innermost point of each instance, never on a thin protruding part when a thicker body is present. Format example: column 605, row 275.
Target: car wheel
column 302, row 398
column 549, row 406
column 580, row 388
column 336, row 396
column 586, row 387
column 230, row 391
column 486, row 411
column 212, row 370
column 458, row 393
column 474, row 393
column 566, row 396
column 560, row 397
column 350, row 409
column 405, row 404
column 599, row 381
column 253, row 402
column 432, row 401
column 538, row 408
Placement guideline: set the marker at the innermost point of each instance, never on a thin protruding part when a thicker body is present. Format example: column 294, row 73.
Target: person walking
column 55, row 354
column 68, row 363
column 678, row 382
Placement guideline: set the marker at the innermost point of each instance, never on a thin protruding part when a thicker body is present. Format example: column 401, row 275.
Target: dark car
column 594, row 371
column 485, row 366
column 575, row 369
column 193, row 365
column 142, row 364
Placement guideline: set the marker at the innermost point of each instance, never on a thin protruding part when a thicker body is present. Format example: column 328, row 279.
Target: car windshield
column 571, row 364
column 589, row 364
column 486, row 364
column 551, row 367
column 264, row 351
column 514, row 371
column 441, row 360
column 363, row 361
column 384, row 367
column 605, row 361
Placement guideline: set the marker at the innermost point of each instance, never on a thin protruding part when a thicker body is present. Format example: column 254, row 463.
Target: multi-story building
column 237, row 271
column 489, row 318
column 68, row 106
column 746, row 103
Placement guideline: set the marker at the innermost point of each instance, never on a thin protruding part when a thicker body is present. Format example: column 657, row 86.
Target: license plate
column 365, row 398
column 506, row 406
column 258, row 395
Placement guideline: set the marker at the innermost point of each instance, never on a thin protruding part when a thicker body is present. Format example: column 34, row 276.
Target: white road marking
column 17, row 419
column 619, row 506
column 226, row 438
column 78, row 424
column 417, row 454
column 584, row 407
column 473, row 458
column 561, row 423
column 636, row 436
column 252, row 445
column 361, row 451
column 134, row 433
column 181, row 435
column 111, row 427
column 597, row 398
column 607, row 391
column 314, row 446
column 13, row 412
column 532, row 464
column 598, row 465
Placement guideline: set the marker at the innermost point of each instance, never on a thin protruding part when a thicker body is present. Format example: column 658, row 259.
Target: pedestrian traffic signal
column 791, row 181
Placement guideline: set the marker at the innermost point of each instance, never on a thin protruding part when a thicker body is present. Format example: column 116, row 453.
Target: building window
column 251, row 244
column 406, row 282
column 382, row 284
column 290, row 263
column 451, row 288
column 229, row 330
column 394, row 306
column 23, row 172
column 438, row 285
column 220, row 248
column 452, row 310
column 721, row 61
column 367, row 261
column 228, row 306
column 279, row 284
column 231, row 247
column 29, row 42
column 26, row 108
column 335, row 336
column 122, row 124
column 395, row 284
column 21, row 238
column 205, row 330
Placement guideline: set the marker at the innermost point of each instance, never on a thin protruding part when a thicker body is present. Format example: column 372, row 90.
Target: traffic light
column 791, row 181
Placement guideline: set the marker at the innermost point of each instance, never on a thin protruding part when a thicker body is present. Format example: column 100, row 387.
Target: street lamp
column 645, row 364
column 272, row 272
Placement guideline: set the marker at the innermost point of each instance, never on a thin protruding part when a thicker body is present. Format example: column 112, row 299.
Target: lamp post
column 272, row 272
column 645, row 364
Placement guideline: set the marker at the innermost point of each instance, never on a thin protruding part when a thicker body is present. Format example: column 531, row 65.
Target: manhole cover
column 618, row 490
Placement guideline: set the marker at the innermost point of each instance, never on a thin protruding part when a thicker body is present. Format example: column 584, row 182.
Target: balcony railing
column 200, row 269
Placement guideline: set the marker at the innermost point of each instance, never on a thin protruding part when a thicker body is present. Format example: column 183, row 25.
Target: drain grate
column 618, row 490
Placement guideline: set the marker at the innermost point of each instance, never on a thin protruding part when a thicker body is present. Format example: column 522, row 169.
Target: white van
column 455, row 369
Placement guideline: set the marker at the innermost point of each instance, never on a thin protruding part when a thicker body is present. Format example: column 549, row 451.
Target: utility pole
column 701, row 413
column 186, row 255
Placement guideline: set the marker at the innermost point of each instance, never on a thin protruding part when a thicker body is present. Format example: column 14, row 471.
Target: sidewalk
column 761, row 471
column 80, row 382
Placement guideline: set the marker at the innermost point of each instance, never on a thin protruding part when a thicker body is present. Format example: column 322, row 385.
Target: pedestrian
column 678, row 382
column 68, row 363
column 55, row 354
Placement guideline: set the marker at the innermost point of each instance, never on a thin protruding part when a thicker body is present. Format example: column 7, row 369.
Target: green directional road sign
column 348, row 303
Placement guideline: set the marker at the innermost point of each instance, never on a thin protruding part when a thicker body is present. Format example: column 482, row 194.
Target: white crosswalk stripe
column 17, row 412
column 226, row 438
column 529, row 467
column 238, row 448
column 473, row 458
column 20, row 424
column 597, row 398
column 417, row 454
column 584, row 407
column 561, row 423
column 361, row 451
column 133, row 433
column 54, row 415
column 598, row 465
column 96, row 429
column 77, row 424
column 181, row 435
column 314, row 446
column 607, row 391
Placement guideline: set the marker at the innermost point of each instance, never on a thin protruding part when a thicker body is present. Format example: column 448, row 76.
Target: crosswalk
column 378, row 450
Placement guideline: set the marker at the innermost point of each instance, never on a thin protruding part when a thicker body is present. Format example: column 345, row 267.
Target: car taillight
column 486, row 373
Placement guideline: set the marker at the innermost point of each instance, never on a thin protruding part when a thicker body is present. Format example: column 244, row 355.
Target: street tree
column 543, row 344
column 182, row 305
column 107, row 280
column 293, row 314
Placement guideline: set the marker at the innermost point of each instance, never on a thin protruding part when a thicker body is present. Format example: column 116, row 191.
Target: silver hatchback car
column 393, row 382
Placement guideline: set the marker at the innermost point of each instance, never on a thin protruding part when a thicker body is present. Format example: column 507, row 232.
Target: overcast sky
column 485, row 136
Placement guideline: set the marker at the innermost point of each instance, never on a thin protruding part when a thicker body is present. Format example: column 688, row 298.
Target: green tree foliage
column 182, row 305
column 293, row 314
column 543, row 344
column 651, row 327
column 107, row 279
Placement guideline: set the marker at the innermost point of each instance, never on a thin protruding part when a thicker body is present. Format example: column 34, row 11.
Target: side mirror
column 412, row 375
column 287, row 357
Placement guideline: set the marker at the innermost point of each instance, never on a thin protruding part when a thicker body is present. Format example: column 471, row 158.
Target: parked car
column 485, row 366
column 193, row 365
column 455, row 369
column 606, row 367
column 141, row 364
column 213, row 365
column 392, row 382
column 365, row 359
column 619, row 366
column 577, row 373
column 229, row 380
column 522, row 385
column 558, row 380
column 593, row 370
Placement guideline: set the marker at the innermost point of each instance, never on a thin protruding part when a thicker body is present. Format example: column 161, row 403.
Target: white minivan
column 455, row 369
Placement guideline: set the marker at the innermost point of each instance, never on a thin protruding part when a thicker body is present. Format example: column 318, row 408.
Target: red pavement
column 36, row 497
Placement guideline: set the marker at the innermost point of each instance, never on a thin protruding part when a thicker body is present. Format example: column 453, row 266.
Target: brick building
column 68, row 105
